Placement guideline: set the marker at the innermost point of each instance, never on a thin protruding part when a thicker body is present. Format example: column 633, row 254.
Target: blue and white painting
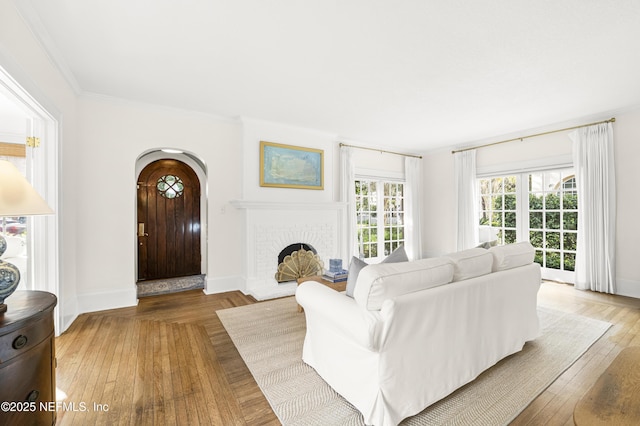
column 292, row 167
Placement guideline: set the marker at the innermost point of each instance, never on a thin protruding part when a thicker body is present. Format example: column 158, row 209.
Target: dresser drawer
column 21, row 340
column 28, row 378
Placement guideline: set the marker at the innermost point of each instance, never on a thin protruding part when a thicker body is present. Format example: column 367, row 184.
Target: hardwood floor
column 151, row 364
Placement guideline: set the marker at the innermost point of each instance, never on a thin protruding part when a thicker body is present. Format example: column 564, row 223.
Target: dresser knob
column 33, row 396
column 20, row 342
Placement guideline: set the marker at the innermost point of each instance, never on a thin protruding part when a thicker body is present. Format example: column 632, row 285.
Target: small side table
column 339, row 286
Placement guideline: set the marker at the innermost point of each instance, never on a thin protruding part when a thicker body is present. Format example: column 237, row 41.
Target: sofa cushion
column 512, row 255
column 470, row 263
column 377, row 283
column 356, row 265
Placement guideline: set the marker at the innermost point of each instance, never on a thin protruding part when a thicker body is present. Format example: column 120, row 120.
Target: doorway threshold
column 169, row 285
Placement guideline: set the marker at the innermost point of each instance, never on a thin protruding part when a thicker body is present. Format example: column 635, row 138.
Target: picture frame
column 289, row 166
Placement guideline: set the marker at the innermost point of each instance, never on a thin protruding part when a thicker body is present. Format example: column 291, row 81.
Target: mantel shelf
column 276, row 205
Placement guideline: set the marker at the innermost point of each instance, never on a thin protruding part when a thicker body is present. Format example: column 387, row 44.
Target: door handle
column 141, row 232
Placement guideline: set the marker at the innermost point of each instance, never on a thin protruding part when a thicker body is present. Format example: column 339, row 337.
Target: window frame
column 380, row 180
column 523, row 225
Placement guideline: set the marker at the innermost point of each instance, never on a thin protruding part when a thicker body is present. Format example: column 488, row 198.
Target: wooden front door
column 168, row 221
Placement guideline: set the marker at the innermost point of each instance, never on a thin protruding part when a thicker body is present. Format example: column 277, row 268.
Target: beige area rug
column 269, row 337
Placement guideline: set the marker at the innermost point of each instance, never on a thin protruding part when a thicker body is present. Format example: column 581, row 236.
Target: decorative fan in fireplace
column 300, row 263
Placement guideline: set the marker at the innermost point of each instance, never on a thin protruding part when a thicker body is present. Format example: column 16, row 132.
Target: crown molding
column 34, row 23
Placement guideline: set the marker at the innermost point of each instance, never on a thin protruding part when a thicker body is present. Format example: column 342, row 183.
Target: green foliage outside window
column 553, row 219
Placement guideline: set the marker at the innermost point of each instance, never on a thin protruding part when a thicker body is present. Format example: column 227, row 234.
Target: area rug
column 269, row 337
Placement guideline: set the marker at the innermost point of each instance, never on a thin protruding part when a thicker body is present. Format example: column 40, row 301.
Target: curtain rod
column 381, row 150
column 611, row 120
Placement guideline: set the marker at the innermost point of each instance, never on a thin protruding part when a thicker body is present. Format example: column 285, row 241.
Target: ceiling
column 409, row 74
column 13, row 120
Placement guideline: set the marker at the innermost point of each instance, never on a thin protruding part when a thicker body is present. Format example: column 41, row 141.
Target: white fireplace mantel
column 270, row 226
column 279, row 205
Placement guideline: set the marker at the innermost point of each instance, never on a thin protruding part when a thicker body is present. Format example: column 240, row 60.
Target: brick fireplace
column 271, row 226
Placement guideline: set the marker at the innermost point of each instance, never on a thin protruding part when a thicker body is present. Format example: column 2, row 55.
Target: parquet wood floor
column 180, row 366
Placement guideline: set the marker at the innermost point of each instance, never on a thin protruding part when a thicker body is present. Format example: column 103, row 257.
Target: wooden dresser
column 27, row 360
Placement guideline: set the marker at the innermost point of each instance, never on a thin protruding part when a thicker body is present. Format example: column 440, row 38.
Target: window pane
column 570, row 221
column 570, row 201
column 570, row 241
column 496, row 219
column 496, row 202
column 509, row 236
column 510, row 219
column 569, row 262
column 552, row 181
column 536, row 238
column 552, row 202
column 510, row 184
column 535, row 182
column 553, row 260
column 496, row 185
column 535, row 220
column 485, row 218
column 553, row 220
column 553, row 240
column 535, row 202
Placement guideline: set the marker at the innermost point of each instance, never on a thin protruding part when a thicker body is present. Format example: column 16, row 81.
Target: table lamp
column 17, row 198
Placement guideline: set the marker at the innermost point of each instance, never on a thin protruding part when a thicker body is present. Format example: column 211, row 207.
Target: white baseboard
column 270, row 289
column 214, row 285
column 258, row 288
column 67, row 312
column 100, row 301
column 629, row 288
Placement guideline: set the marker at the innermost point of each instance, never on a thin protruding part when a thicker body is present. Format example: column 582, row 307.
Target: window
column 553, row 218
column 379, row 217
column 170, row 186
column 498, row 207
column 544, row 211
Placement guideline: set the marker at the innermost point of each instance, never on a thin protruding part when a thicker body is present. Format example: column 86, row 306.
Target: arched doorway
column 169, row 221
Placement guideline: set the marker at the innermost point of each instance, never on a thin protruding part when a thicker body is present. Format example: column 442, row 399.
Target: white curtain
column 348, row 196
column 412, row 197
column 465, row 187
column 595, row 180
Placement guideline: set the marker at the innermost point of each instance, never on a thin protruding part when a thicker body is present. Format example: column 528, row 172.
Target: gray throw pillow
column 398, row 255
column 355, row 267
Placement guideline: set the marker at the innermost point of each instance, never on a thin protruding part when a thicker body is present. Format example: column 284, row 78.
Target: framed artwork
column 288, row 166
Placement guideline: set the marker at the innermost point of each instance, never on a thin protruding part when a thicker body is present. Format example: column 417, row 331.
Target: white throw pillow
column 471, row 263
column 512, row 255
column 377, row 283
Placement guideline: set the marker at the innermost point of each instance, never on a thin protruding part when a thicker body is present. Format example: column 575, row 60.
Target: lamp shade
column 17, row 196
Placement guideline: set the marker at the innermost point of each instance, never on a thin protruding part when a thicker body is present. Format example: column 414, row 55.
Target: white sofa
column 416, row 331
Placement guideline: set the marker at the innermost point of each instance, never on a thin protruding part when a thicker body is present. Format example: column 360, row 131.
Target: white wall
column 438, row 217
column 114, row 134
column 255, row 131
column 23, row 58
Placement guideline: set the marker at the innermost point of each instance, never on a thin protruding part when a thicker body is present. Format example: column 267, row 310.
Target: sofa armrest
column 339, row 313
